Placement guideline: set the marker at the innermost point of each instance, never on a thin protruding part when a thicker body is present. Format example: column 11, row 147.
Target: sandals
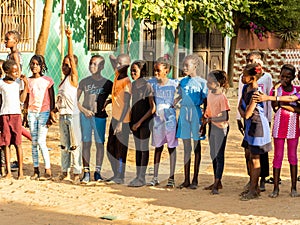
column 153, row 182
column 171, row 183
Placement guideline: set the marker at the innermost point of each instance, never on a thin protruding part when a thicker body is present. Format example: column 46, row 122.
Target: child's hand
column 136, row 126
column 118, row 128
column 23, row 78
column 68, row 32
column 89, row 113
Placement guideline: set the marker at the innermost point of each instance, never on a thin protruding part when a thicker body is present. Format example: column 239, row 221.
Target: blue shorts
column 90, row 124
column 189, row 123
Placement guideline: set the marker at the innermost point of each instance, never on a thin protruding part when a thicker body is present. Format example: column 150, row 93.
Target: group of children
column 144, row 107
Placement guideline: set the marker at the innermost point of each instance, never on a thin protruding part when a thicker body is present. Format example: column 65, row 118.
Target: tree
column 44, row 32
column 278, row 16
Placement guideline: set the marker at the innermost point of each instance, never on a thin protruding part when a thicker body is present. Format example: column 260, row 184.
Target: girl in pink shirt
column 216, row 115
column 40, row 103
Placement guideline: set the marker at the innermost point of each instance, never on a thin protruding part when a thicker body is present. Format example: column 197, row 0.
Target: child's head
column 252, row 72
column 217, row 79
column 1, row 69
column 287, row 74
column 162, row 67
column 190, row 65
column 123, row 60
column 252, row 57
column 12, row 38
column 38, row 65
column 96, row 64
column 11, row 69
column 138, row 69
column 66, row 65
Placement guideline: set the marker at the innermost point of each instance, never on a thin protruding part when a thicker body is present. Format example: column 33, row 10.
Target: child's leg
column 42, row 135
column 254, row 177
column 157, row 156
column 7, row 161
column 197, row 152
column 33, row 126
column 99, row 134
column 26, row 133
column 111, row 150
column 172, row 153
column 264, row 162
column 187, row 146
column 20, row 161
column 277, row 162
column 293, row 160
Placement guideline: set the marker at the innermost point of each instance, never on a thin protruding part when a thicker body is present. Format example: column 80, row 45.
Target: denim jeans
column 38, row 130
column 70, row 135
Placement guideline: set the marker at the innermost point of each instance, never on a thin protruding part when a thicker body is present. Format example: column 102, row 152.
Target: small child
column 216, row 115
column 69, row 122
column 10, row 113
column 257, row 131
column 164, row 127
column 143, row 107
column 40, row 103
column 96, row 89
column 193, row 92
column 117, row 144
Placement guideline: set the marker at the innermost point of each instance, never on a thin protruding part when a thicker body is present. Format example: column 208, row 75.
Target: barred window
column 102, row 26
column 17, row 15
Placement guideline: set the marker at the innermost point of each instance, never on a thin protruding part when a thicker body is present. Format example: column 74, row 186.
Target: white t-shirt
column 10, row 97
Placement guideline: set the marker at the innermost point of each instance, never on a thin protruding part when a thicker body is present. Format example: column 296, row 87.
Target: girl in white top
column 10, row 113
column 69, row 121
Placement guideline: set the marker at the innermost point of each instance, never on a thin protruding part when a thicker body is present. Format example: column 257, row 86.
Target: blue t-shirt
column 193, row 90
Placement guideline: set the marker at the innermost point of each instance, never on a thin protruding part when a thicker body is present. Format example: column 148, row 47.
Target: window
column 17, row 15
column 102, row 26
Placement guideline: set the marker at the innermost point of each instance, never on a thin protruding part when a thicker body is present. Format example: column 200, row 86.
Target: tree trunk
column 129, row 27
column 122, row 28
column 233, row 43
column 175, row 56
column 44, row 32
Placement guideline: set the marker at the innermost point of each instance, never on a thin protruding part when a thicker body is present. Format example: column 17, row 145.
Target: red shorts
column 11, row 129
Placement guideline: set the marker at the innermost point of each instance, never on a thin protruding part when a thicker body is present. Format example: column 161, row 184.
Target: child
column 2, row 157
column 40, row 103
column 96, row 89
column 69, row 122
column 10, row 113
column 117, row 144
column 216, row 115
column 257, row 131
column 286, row 126
column 11, row 41
column 265, row 83
column 164, row 127
column 193, row 92
column 142, row 110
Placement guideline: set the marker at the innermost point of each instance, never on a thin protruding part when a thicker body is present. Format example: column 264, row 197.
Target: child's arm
column 86, row 112
column 147, row 115
column 241, row 110
column 291, row 108
column 16, row 58
column 223, row 116
column 113, row 61
column 74, row 72
column 127, row 97
column 24, row 92
column 51, row 118
column 250, row 109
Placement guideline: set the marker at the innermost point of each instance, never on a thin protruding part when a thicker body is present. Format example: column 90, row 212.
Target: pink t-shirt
column 216, row 104
column 286, row 123
column 39, row 99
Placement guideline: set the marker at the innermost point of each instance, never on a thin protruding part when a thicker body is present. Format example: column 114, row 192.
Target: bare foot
column 21, row 177
column 185, row 184
column 274, row 194
column 210, row 187
column 8, row 176
column 294, row 193
column 214, row 191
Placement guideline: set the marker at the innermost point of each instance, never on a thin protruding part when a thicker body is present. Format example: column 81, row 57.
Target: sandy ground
column 37, row 202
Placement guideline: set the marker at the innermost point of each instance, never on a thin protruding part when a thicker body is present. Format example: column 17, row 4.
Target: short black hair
column 8, row 64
